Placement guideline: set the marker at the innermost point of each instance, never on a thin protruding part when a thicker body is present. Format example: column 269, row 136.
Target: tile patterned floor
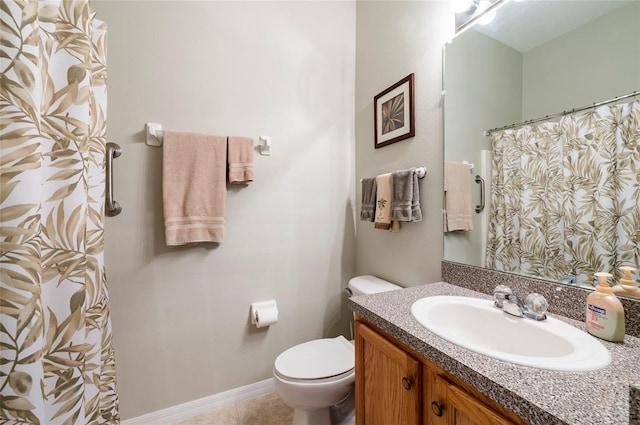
column 264, row 410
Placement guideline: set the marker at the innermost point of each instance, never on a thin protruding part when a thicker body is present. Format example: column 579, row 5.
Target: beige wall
column 596, row 62
column 283, row 69
column 394, row 39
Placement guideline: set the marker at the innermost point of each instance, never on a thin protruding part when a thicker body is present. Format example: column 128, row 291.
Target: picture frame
column 393, row 113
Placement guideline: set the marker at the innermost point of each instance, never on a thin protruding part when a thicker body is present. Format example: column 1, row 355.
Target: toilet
column 315, row 375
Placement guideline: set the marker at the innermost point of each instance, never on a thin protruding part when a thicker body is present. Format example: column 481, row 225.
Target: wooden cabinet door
column 388, row 381
column 434, row 397
column 460, row 408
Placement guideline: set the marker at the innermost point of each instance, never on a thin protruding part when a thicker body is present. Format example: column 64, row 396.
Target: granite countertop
column 608, row 396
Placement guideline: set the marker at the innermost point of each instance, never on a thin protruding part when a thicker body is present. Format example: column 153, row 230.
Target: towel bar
column 155, row 134
column 421, row 172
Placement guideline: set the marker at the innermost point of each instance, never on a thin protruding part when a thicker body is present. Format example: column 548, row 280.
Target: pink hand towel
column 384, row 183
column 193, row 187
column 457, row 197
column 240, row 158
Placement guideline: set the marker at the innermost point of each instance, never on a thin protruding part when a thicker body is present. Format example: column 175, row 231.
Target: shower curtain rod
column 563, row 113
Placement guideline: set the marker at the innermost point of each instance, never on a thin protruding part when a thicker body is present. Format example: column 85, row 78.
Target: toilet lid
column 317, row 359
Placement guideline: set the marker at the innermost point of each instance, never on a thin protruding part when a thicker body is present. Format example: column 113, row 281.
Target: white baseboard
column 194, row 408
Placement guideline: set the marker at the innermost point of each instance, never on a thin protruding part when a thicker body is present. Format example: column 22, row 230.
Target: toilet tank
column 369, row 284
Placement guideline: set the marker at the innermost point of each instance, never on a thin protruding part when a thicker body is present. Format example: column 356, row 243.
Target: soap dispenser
column 627, row 285
column 605, row 314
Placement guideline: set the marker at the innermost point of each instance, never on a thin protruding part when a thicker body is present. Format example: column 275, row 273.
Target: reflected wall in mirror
column 536, row 59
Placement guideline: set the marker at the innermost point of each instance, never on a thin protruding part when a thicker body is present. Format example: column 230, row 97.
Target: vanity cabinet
column 451, row 405
column 388, row 381
column 395, row 385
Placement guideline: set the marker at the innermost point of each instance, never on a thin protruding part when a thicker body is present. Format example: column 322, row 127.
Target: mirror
column 535, row 59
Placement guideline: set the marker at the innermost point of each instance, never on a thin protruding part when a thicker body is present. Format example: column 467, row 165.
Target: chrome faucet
column 534, row 306
column 513, row 305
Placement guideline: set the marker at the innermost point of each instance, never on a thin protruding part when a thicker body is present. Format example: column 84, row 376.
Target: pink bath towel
column 240, row 159
column 457, row 197
column 193, row 187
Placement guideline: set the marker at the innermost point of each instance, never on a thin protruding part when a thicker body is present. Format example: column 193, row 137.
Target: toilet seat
column 317, row 360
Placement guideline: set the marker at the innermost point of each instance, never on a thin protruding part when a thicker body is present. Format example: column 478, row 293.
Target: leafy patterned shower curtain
column 56, row 357
column 565, row 197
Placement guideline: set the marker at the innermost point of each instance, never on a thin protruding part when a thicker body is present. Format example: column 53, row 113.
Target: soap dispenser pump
column 605, row 314
column 627, row 285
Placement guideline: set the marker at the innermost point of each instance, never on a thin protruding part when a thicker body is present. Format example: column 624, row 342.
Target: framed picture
column 393, row 110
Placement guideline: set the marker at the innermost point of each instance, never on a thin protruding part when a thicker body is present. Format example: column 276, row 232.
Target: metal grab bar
column 480, row 207
column 112, row 208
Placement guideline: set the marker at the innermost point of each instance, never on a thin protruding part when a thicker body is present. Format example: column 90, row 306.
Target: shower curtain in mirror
column 56, row 357
column 565, row 197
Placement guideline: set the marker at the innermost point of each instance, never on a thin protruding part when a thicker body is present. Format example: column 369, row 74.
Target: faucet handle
column 500, row 293
column 536, row 306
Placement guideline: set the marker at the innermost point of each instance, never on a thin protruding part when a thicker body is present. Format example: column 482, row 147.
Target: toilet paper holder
column 264, row 313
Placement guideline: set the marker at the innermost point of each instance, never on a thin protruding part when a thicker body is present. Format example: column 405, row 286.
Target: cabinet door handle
column 407, row 383
column 436, row 408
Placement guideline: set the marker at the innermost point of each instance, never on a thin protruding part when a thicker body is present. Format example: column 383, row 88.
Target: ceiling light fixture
column 460, row 6
column 487, row 18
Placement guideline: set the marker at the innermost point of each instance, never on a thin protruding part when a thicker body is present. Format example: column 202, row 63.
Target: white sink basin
column 477, row 325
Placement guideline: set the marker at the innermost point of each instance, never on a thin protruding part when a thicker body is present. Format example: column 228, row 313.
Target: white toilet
column 315, row 375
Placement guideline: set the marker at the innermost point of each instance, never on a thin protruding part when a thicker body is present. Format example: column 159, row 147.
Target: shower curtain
column 565, row 196
column 56, row 357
